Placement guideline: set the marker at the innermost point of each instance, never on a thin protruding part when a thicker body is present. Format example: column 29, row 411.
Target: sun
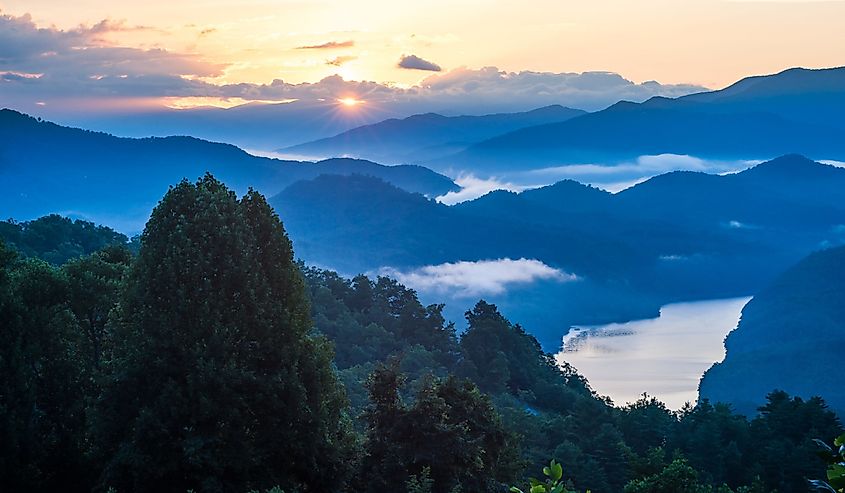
column 349, row 102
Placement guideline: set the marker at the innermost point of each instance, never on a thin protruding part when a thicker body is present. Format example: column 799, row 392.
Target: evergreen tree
column 216, row 383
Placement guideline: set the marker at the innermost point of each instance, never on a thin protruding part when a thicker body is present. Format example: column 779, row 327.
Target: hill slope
column 46, row 168
column 790, row 337
column 679, row 236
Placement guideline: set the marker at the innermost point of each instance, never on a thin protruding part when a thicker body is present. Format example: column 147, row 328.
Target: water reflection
column 664, row 356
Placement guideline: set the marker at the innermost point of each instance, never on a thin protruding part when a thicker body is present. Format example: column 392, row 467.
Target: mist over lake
column 664, row 357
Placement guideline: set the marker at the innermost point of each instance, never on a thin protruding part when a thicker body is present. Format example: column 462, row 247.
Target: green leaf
column 538, row 489
column 836, row 471
column 557, row 471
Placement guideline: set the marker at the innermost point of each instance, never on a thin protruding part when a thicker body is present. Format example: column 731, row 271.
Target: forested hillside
column 211, row 361
column 632, row 251
column 47, row 168
column 789, row 336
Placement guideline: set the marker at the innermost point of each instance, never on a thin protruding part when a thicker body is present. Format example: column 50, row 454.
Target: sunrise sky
column 49, row 48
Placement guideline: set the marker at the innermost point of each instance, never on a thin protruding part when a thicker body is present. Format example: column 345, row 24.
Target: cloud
column 483, row 277
column 830, row 162
column 473, row 187
column 624, row 175
column 110, row 25
column 79, row 65
column 328, row 45
column 587, row 90
column 414, row 62
column 340, row 60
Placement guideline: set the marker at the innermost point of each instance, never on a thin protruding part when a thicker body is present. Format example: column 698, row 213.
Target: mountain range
column 682, row 235
column 425, row 137
column 46, row 168
column 795, row 111
column 258, row 125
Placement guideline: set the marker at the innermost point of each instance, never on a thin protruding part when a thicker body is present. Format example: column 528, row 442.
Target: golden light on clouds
column 191, row 102
column 707, row 42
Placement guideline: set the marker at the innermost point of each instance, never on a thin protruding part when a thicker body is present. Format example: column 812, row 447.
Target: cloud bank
column 483, row 277
column 53, row 66
column 473, row 187
column 620, row 176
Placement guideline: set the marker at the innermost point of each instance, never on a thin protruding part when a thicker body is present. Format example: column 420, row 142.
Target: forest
column 202, row 356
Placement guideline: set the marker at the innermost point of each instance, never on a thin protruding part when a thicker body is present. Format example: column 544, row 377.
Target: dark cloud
column 329, row 45
column 340, row 60
column 416, row 63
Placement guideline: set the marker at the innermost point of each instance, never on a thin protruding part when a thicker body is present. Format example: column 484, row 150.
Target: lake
column 663, row 356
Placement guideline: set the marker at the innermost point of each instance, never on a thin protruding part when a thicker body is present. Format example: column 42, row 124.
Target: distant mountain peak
column 790, row 166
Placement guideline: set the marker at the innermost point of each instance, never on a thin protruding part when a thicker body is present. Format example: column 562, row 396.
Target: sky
column 101, row 55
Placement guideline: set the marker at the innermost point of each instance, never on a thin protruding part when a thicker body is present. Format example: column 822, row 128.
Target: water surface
column 664, row 356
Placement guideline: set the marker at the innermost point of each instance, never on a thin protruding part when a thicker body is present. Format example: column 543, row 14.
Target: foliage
column 58, row 239
column 41, row 380
column 421, row 484
column 502, row 357
column 554, row 482
column 216, row 383
column 94, row 283
column 677, row 477
column 835, row 458
column 371, row 320
column 451, row 436
column 195, row 365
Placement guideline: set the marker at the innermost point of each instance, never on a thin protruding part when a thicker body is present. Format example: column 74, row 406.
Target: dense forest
column 201, row 356
column 790, row 335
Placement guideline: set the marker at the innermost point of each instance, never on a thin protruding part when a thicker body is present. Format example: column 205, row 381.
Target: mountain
column 250, row 126
column 796, row 111
column 787, row 193
column 374, row 224
column 424, row 137
column 363, row 224
column 790, row 337
column 46, row 168
column 678, row 236
column 814, row 96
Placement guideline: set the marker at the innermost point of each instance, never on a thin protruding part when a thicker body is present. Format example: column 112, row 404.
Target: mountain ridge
column 424, row 136
column 49, row 168
column 761, row 124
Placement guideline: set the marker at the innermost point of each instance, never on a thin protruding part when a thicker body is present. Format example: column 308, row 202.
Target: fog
column 467, row 279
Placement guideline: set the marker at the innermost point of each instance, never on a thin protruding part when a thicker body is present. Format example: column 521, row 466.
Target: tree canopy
column 216, row 382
